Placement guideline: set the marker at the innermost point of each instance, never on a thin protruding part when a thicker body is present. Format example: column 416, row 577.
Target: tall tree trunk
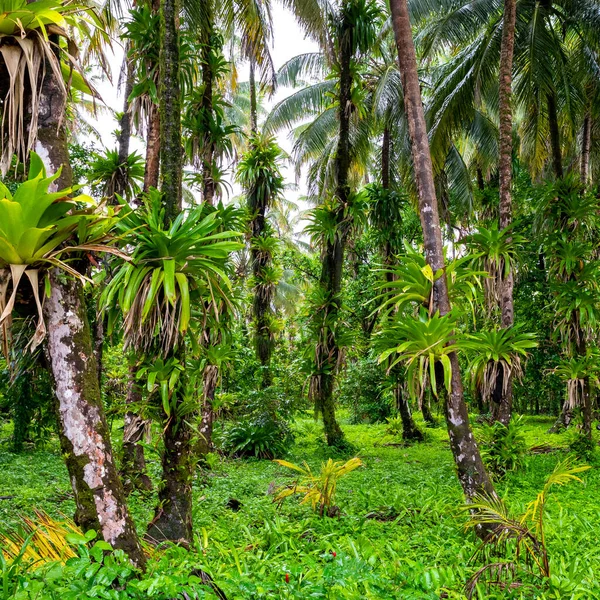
column 152, row 149
column 208, row 150
column 84, row 434
column 471, row 472
column 133, row 465
column 502, row 411
column 253, row 100
column 328, row 351
column 210, row 378
column 171, row 159
column 173, row 516
column 410, row 431
column 586, row 146
column 554, row 135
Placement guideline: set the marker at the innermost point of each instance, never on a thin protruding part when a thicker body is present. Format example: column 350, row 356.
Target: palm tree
column 505, row 170
column 471, row 472
column 263, row 183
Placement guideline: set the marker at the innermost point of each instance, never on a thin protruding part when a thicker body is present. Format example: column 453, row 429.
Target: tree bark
column 83, row 430
column 554, row 135
column 504, row 407
column 151, row 173
column 173, row 515
column 328, row 351
column 85, row 440
column 133, row 465
column 471, row 472
column 171, row 159
column 208, row 150
column 253, row 100
column 586, row 146
column 410, row 431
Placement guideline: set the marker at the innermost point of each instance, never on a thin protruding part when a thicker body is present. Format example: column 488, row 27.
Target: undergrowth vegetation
column 399, row 532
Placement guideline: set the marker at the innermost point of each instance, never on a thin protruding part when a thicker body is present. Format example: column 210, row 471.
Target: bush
column 582, row 447
column 262, row 437
column 260, row 427
column 364, row 391
column 503, row 447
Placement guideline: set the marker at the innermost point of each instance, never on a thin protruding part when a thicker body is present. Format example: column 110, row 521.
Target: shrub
column 262, row 437
column 364, row 391
column 582, row 447
column 503, row 447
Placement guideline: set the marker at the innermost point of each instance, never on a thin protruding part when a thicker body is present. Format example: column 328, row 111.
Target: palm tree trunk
column 173, row 515
column 152, row 150
column 503, row 409
column 253, row 100
column 471, row 472
column 586, row 146
column 328, row 351
column 171, row 155
column 208, row 151
column 84, row 434
column 133, row 464
column 554, row 135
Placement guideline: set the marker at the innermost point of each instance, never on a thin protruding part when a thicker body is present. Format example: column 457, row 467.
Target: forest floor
column 416, row 547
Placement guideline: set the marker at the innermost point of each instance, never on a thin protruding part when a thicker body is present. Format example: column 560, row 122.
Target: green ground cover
column 400, row 533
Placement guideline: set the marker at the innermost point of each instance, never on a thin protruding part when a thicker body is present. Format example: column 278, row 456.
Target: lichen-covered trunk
column 471, row 472
column 554, row 128
column 83, row 430
column 133, row 464
column 205, row 442
column 502, row 411
column 85, row 439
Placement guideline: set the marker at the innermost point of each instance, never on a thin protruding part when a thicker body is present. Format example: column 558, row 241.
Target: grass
column 421, row 553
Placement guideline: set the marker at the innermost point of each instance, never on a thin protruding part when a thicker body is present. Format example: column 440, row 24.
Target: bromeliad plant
column 173, row 268
column 26, row 51
column 37, row 229
column 420, row 343
column 496, row 357
column 318, row 489
column 495, row 252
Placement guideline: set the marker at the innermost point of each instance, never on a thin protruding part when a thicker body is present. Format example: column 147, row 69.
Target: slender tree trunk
column 471, row 472
column 83, row 430
column 173, row 515
column 253, row 100
column 133, row 465
column 503, row 410
column 152, row 150
column 171, row 159
column 208, row 149
column 210, row 378
column 385, row 159
column 410, row 431
column 328, row 351
column 586, row 146
column 554, row 135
